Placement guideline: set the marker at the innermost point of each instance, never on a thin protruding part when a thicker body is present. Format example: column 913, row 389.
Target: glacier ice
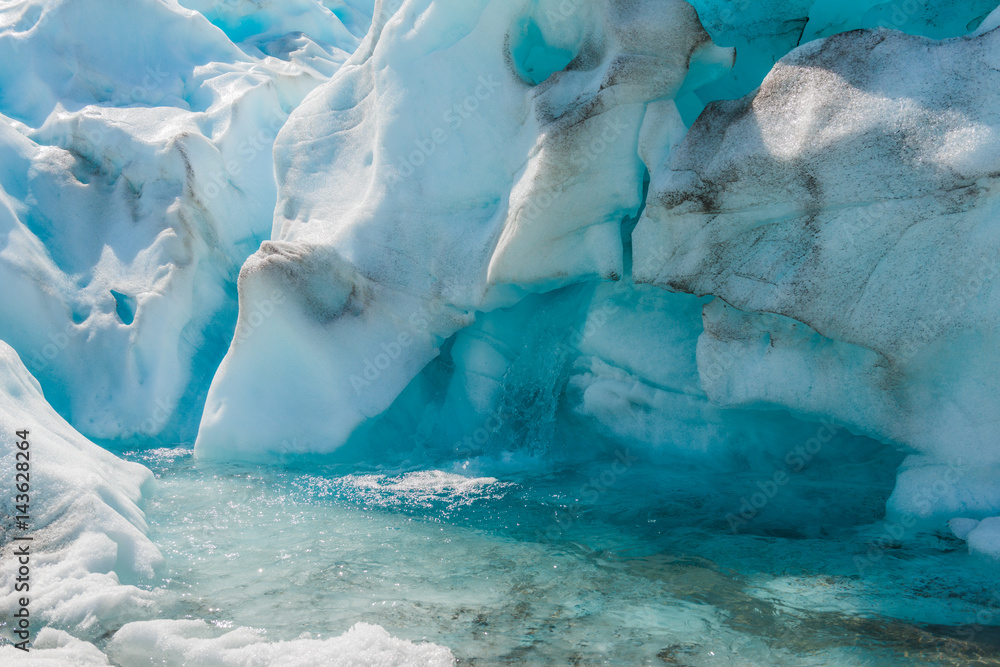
column 797, row 208
column 843, row 217
column 763, row 32
column 89, row 547
column 253, row 23
column 135, row 182
column 382, row 249
column 481, row 235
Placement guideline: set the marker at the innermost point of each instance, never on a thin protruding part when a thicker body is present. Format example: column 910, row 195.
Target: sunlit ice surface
column 510, row 558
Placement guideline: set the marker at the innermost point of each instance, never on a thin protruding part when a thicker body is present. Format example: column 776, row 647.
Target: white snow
column 198, row 644
column 89, row 546
column 55, row 648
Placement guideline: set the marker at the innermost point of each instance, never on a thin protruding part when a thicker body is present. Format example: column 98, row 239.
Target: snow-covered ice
column 89, row 547
column 196, row 643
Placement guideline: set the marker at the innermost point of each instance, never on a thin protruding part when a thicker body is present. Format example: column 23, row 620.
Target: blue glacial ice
column 136, row 182
column 869, row 298
column 382, row 250
column 528, row 331
column 792, row 202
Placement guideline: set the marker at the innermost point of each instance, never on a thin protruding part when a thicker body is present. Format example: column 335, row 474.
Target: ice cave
column 493, row 332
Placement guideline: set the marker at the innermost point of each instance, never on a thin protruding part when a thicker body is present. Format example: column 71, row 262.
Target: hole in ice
column 124, row 307
column 534, row 58
column 80, row 315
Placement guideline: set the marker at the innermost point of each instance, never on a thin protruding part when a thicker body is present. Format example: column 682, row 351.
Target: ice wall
column 466, row 155
column 845, row 217
column 465, row 158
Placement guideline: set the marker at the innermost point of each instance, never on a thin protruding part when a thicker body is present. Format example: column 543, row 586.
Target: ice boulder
column 845, row 217
column 984, row 539
column 88, row 546
column 466, row 155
